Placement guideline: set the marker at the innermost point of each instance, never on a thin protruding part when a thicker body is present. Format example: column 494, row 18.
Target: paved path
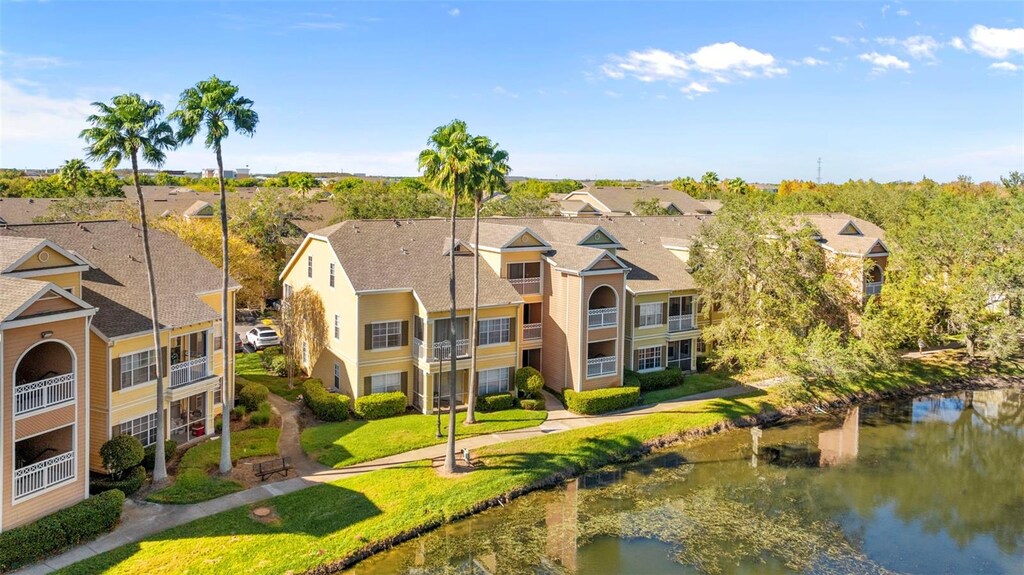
column 142, row 519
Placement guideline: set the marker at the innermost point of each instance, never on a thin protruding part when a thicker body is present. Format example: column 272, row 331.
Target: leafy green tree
column 649, row 207
column 214, row 105
column 130, row 127
column 543, row 189
column 737, row 186
column 687, row 185
column 74, row 209
column 446, row 164
column 709, row 184
column 72, row 173
column 515, row 206
column 302, row 182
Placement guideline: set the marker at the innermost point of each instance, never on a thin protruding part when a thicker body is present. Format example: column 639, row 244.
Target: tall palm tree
column 214, row 105
column 73, row 173
column 489, row 169
column 446, row 164
column 129, row 127
column 710, row 182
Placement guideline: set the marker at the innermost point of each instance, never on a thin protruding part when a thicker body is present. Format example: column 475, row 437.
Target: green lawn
column 692, row 384
column 194, row 483
column 349, row 442
column 248, row 368
column 333, row 521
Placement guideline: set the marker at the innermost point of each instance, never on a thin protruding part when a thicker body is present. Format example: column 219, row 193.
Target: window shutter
column 115, row 431
column 664, row 356
column 664, row 313
column 405, row 383
column 164, row 362
column 636, row 360
column 512, row 329
column 405, row 333
column 368, row 336
column 512, row 380
column 115, row 374
column 636, row 316
column 367, row 386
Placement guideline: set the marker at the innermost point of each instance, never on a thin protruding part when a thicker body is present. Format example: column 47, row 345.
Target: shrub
column 252, row 395
column 495, row 402
column 601, row 400
column 65, row 528
column 262, row 415
column 630, row 378
column 669, row 377
column 218, row 423
column 128, row 484
column 327, row 406
column 121, row 454
column 237, row 412
column 268, row 356
column 529, row 382
column 380, row 405
column 532, row 404
column 149, row 458
column 279, row 366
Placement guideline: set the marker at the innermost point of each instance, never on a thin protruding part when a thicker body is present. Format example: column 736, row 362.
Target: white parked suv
column 262, row 336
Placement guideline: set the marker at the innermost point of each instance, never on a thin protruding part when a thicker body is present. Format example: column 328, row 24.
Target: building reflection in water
column 838, row 446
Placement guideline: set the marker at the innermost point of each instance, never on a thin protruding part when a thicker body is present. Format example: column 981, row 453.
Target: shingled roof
column 620, row 200
column 846, row 234
column 117, row 284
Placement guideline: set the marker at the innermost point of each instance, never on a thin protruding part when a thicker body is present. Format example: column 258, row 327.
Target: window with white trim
column 651, row 314
column 385, row 382
column 492, row 381
column 309, row 266
column 700, row 346
column 494, row 331
column 648, row 358
column 218, row 396
column 331, row 275
column 142, row 428
column 386, row 334
column 337, row 376
column 337, row 326
column 138, row 368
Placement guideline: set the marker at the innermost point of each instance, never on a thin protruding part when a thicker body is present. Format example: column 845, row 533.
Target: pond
column 927, row 485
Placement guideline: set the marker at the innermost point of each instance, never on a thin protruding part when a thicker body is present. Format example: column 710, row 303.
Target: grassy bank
column 692, row 384
column 195, row 482
column 350, row 442
column 329, row 525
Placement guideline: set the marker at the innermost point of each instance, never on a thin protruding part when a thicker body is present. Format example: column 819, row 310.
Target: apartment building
column 591, row 201
column 78, row 363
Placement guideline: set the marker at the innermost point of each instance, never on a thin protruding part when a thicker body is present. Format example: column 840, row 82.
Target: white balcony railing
column 602, row 317
column 43, row 474
column 44, row 393
column 418, row 349
column 599, row 366
column 680, row 323
column 190, row 371
column 872, row 288
column 532, row 331
column 526, row 286
column 443, row 349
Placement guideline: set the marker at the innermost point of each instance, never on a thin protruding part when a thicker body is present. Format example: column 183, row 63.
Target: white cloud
column 696, row 87
column 997, row 42
column 648, row 66
column 958, row 44
column 36, row 116
column 921, row 46
column 731, row 56
column 31, row 62
column 1006, row 67
column 810, row 61
column 824, row 49
column 843, row 40
column 454, row 12
column 886, row 41
column 612, row 94
column 884, row 62
column 903, row 12
column 502, row 91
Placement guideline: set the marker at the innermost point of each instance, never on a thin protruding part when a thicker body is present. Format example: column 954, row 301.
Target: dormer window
column 850, row 230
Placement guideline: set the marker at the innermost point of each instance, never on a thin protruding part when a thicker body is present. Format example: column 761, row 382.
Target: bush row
column 495, row 402
column 668, row 377
column 598, row 401
column 65, row 528
column 129, row 482
column 262, row 414
column 380, row 405
column 327, row 406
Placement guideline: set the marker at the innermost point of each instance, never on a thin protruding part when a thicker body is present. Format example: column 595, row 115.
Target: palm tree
column 130, row 126
column 446, row 164
column 710, row 182
column 212, row 105
column 488, row 175
column 72, row 173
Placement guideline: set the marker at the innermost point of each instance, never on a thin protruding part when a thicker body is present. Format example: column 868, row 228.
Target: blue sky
column 883, row 90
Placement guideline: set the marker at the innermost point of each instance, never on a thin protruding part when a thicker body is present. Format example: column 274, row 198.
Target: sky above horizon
column 884, row 90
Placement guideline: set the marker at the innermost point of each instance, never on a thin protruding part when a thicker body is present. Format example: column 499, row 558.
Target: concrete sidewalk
column 142, row 519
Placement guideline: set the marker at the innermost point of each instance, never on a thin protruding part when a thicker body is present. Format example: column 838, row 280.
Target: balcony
column 872, row 288
column 43, row 474
column 532, row 331
column 29, row 397
column 602, row 317
column 443, row 350
column 598, row 366
column 526, row 286
column 189, row 371
column 680, row 323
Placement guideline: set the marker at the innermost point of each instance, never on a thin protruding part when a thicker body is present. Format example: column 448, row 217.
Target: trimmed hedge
column 81, row 522
column 262, row 415
column 495, row 402
column 630, row 378
column 128, row 484
column 532, row 404
column 149, row 459
column 669, row 377
column 598, row 401
column 380, row 405
column 252, row 395
column 529, row 382
column 327, row 406
column 121, row 453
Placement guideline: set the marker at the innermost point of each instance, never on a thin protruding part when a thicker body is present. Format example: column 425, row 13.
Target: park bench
column 265, row 469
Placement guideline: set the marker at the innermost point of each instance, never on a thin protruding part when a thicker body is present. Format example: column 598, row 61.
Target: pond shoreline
column 775, row 416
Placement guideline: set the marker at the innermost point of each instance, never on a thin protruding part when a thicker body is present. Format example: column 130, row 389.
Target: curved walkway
column 142, row 519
